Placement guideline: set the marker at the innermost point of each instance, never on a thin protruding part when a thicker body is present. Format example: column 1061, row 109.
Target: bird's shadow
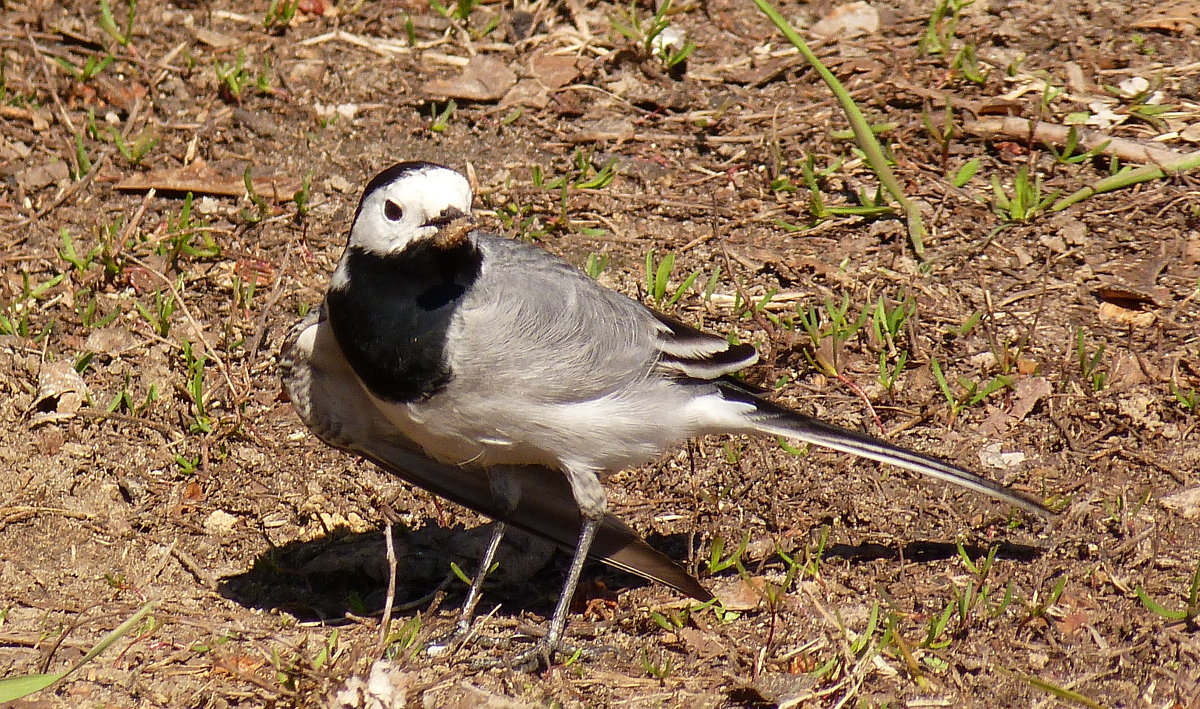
column 926, row 551
column 346, row 573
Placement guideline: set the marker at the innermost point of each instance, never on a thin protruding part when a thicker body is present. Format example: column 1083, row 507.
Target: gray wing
column 554, row 334
column 332, row 402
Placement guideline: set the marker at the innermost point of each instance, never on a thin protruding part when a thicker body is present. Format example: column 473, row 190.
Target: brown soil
column 261, row 547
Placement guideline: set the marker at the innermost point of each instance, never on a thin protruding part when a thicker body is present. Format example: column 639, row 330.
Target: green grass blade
column 862, row 130
column 13, row 688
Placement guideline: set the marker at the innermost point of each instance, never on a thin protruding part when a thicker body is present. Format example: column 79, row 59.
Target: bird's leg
column 593, row 503
column 467, row 613
column 506, row 491
column 558, row 622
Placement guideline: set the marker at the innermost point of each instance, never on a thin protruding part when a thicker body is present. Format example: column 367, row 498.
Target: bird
column 499, row 376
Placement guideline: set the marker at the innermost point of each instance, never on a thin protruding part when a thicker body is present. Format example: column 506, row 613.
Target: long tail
column 771, row 418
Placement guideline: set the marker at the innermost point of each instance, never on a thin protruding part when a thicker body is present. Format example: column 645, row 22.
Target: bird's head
column 407, row 203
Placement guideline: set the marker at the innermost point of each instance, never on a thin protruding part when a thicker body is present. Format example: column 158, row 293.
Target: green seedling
column 814, row 556
column 1151, row 113
column 1068, row 156
column 302, row 196
column 111, row 246
column 862, row 646
column 1038, row 609
column 889, row 373
column 529, row 221
column 649, row 35
column 972, row 392
column 243, row 293
column 718, row 562
column 329, row 652
column 83, row 164
column 522, row 220
column 439, row 121
column 584, row 176
column 1189, row 400
column 1026, row 200
column 83, row 362
column 710, row 286
column 942, row 26
column 979, row 594
column 660, row 670
column 404, row 639
column 887, row 323
column 671, row 619
column 966, row 64
column 188, row 466
column 596, row 264
column 1189, row 613
column 658, row 278
column 87, row 71
column 194, row 386
column 87, row 308
column 159, row 315
column 136, row 151
column 279, row 15
column 262, row 208
column 968, row 325
column 829, row 339
column 944, row 133
column 1089, row 364
column 122, row 35
column 232, row 78
column 262, row 82
column 964, row 174
column 461, row 10
column 68, row 253
column 38, row 291
column 462, row 575
column 124, row 402
column 869, row 206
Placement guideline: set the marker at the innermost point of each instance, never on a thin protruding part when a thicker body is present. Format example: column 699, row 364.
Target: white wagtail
column 494, row 374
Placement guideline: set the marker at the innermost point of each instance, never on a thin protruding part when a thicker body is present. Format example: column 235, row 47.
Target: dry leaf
column 484, row 78
column 1112, row 314
column 1186, row 502
column 850, row 20
column 60, row 393
column 554, row 72
column 741, row 595
column 1182, row 17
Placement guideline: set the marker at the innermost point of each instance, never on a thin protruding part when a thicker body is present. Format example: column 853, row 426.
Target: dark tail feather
column 775, row 419
column 546, row 509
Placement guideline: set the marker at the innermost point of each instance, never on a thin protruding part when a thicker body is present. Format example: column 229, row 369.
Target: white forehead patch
column 396, row 213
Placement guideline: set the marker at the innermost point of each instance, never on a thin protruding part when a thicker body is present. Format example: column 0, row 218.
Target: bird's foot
column 542, row 656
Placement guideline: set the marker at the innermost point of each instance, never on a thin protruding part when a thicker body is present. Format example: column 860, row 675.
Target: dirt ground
column 149, row 456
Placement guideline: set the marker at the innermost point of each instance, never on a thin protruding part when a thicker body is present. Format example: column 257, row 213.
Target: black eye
column 392, row 211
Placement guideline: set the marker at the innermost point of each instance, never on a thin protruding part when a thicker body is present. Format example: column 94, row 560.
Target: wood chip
column 200, row 178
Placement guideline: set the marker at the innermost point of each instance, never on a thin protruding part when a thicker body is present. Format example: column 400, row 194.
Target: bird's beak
column 448, row 215
column 452, row 228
